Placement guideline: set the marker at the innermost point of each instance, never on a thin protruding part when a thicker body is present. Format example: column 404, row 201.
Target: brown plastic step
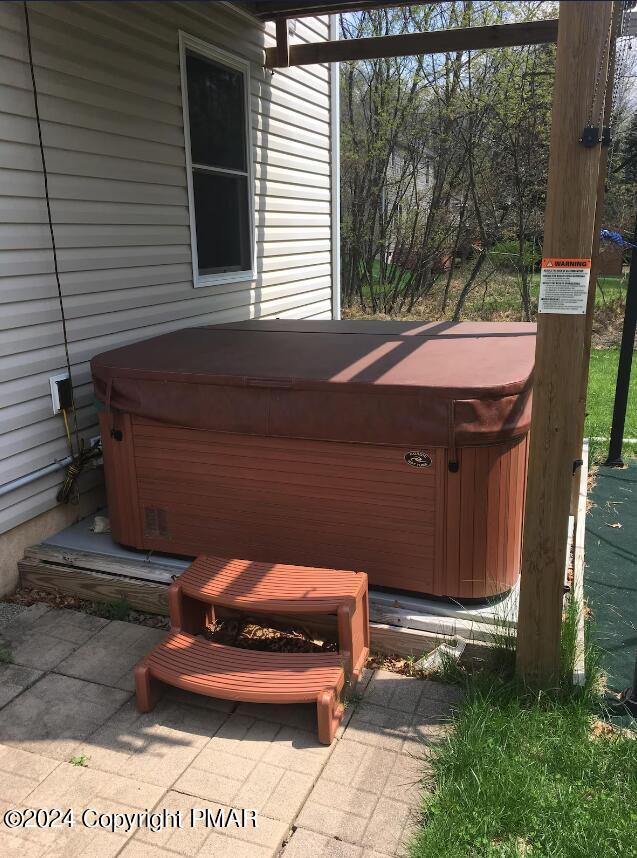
column 276, row 587
column 216, row 670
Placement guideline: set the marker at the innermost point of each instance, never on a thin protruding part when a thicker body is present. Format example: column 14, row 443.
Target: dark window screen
column 216, row 109
column 217, row 114
column 223, row 222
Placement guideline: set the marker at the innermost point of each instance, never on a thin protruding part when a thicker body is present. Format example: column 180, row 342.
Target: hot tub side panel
column 484, row 513
column 288, row 500
column 353, row 506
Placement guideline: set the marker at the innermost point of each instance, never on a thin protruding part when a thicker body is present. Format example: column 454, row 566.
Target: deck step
column 277, row 587
column 215, row 670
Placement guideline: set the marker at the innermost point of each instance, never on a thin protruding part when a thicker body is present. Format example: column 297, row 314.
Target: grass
column 500, row 297
column 531, row 774
column 81, row 761
column 528, row 775
column 118, row 610
column 601, row 394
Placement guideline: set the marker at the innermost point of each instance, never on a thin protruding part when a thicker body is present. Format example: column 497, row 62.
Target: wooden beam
column 412, row 44
column 270, row 10
column 282, row 45
column 152, row 597
column 580, row 409
column 94, row 586
column 582, row 55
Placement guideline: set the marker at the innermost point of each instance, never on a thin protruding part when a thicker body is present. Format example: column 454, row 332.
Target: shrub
column 506, row 255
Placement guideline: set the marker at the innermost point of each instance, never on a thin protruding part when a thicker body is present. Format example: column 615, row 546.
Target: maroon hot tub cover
column 394, row 448
column 439, row 383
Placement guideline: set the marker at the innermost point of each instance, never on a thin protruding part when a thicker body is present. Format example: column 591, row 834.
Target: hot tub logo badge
column 418, row 459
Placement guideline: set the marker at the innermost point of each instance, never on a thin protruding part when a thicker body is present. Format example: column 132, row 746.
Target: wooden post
column 582, row 53
column 580, row 410
column 282, row 44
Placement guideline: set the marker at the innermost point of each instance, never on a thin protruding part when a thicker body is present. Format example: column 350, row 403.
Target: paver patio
column 68, row 695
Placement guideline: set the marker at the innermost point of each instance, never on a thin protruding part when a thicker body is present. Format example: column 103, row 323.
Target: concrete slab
column 80, row 537
column 43, row 639
column 56, row 713
column 14, row 679
column 110, row 655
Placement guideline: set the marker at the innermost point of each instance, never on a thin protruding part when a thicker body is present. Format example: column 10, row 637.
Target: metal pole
column 625, row 364
column 11, row 486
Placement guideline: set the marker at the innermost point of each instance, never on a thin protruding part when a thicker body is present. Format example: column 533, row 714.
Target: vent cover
column 155, row 521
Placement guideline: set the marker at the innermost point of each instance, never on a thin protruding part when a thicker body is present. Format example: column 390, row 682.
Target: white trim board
column 335, row 183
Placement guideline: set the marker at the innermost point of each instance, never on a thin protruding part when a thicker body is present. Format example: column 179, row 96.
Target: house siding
column 110, row 102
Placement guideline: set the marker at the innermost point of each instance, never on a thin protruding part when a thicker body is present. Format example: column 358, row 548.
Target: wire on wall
column 80, row 455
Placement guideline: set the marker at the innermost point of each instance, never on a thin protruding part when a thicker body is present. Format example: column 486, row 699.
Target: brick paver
column 21, row 772
column 68, row 695
column 197, row 839
column 155, row 747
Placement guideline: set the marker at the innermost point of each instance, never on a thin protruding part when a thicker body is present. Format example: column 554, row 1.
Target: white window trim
column 186, row 42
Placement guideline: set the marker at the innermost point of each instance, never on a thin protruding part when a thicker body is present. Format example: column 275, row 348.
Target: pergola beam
column 412, row 44
column 270, row 10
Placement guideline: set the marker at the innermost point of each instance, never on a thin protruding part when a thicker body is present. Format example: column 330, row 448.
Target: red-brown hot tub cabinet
column 394, row 448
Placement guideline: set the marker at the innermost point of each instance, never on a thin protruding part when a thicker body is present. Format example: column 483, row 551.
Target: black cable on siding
column 50, row 220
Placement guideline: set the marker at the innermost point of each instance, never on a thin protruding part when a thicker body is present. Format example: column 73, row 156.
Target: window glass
column 223, row 222
column 219, row 183
column 217, row 114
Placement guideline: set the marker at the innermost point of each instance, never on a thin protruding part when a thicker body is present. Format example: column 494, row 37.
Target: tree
column 479, row 120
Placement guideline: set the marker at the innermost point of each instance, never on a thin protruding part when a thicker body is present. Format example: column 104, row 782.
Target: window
column 215, row 94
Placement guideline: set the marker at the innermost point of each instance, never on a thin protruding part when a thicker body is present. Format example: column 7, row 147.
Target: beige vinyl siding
column 110, row 102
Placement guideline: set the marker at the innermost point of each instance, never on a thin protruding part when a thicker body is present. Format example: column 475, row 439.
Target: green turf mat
column 611, row 570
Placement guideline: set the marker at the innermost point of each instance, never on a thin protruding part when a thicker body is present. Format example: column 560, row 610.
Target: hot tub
column 395, row 448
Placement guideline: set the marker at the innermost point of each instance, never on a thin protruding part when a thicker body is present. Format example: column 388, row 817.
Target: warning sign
column 564, row 286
